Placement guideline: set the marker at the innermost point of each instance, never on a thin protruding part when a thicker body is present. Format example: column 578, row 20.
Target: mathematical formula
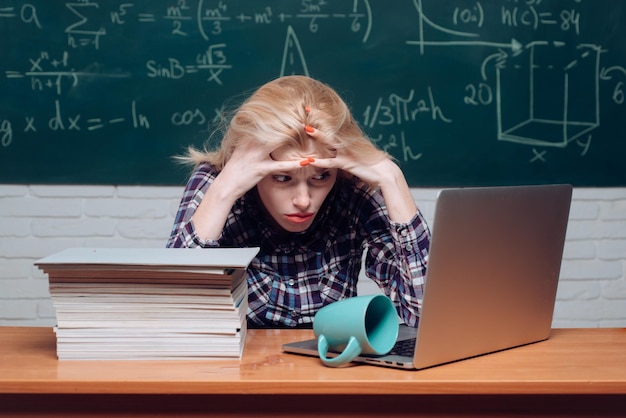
column 171, row 67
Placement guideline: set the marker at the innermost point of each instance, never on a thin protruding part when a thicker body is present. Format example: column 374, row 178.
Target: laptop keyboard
column 404, row 348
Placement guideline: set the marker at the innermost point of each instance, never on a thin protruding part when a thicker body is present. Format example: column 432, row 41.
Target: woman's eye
column 323, row 176
column 282, row 178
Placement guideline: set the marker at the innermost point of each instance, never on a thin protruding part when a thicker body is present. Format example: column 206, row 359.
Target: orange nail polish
column 307, row 109
column 304, row 163
column 311, row 159
column 309, row 129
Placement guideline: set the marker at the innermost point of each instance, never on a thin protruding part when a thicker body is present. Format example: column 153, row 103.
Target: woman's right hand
column 247, row 165
column 250, row 162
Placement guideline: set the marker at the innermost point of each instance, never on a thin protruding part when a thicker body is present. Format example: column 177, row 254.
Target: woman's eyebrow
column 283, row 173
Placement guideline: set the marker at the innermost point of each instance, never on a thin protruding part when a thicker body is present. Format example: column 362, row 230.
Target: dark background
column 85, row 97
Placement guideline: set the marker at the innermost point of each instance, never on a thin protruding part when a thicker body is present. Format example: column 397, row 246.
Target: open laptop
column 492, row 277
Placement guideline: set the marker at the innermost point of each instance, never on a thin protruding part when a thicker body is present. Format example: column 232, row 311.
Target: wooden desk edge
column 348, row 382
column 286, row 387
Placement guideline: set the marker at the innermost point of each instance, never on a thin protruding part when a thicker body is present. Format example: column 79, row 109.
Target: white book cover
column 171, row 258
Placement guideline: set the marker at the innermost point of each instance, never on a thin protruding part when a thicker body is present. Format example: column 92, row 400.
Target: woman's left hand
column 384, row 174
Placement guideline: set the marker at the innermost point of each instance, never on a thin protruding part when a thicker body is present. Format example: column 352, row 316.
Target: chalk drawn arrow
column 604, row 74
column 514, row 45
column 499, row 56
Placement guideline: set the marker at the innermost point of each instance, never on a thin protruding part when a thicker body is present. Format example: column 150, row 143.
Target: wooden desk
column 577, row 372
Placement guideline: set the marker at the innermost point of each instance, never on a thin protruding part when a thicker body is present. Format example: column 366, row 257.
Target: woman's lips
column 299, row 217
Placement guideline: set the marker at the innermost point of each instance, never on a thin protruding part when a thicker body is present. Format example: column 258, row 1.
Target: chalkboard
column 461, row 93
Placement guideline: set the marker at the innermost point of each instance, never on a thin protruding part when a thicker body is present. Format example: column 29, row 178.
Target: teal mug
column 362, row 324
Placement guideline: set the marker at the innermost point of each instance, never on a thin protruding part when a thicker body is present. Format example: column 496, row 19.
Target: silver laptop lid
column 493, row 270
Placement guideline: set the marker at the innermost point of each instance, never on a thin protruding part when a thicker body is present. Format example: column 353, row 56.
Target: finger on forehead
column 335, row 162
column 285, row 165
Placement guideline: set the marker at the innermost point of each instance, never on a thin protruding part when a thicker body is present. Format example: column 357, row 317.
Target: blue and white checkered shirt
column 294, row 275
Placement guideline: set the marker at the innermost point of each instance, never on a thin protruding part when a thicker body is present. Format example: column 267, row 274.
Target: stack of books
column 149, row 303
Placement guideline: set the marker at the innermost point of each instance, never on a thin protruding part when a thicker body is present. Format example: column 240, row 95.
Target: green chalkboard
column 461, row 92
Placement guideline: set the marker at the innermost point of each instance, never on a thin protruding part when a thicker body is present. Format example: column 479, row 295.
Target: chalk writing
column 397, row 109
column 537, row 83
column 541, row 125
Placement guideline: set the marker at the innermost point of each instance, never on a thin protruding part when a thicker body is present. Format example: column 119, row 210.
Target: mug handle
column 352, row 350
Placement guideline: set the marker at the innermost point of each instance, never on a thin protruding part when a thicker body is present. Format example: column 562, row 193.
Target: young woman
column 296, row 176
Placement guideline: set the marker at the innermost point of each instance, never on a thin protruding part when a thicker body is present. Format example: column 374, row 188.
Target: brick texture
column 36, row 221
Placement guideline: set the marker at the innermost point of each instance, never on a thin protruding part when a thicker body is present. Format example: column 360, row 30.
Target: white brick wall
column 36, row 221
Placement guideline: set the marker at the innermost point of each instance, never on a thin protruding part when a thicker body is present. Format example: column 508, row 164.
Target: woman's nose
column 302, row 198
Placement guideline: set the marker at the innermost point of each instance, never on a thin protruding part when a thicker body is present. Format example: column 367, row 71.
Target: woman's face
column 294, row 198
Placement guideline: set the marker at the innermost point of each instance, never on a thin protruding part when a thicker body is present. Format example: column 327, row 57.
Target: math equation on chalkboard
column 460, row 93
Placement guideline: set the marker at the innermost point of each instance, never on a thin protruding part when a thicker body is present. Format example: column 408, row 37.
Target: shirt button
column 408, row 247
column 291, row 282
column 404, row 232
column 294, row 314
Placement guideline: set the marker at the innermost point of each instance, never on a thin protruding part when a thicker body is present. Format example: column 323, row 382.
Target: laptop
column 492, row 277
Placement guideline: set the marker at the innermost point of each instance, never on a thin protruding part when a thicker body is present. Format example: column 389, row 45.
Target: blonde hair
column 277, row 113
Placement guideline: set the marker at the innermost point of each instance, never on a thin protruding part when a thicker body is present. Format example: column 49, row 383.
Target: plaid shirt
column 294, row 275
